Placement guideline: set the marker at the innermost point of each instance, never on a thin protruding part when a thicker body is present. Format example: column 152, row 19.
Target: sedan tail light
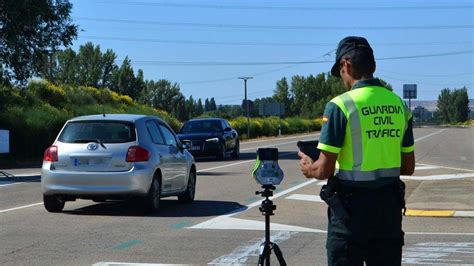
column 51, row 154
column 137, row 154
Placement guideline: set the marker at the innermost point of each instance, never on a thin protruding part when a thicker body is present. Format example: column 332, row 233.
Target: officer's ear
column 349, row 67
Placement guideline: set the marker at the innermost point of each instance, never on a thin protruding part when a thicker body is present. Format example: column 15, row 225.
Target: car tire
column 188, row 195
column 222, row 152
column 236, row 151
column 53, row 203
column 153, row 198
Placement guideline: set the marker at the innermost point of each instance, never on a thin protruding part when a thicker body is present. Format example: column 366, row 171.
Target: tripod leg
column 278, row 254
column 264, row 250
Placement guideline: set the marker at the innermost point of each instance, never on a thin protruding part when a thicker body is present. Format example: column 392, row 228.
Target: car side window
column 168, row 136
column 154, row 132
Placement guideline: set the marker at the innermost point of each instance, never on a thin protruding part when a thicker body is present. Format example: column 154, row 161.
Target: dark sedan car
column 210, row 137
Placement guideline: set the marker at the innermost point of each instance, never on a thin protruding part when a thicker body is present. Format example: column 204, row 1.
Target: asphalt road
column 224, row 226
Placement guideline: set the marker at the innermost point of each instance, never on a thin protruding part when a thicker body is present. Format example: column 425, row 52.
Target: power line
column 425, row 83
column 228, row 63
column 276, row 27
column 427, row 75
column 296, row 8
column 152, row 40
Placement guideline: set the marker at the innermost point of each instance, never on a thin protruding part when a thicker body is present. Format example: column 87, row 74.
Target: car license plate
column 88, row 161
column 196, row 148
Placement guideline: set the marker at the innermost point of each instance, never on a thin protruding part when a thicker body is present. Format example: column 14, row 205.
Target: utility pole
column 247, row 104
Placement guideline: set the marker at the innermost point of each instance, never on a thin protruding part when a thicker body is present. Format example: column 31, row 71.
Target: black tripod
column 266, row 247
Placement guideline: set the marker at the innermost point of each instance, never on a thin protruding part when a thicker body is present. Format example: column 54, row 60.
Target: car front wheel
column 236, row 151
column 222, row 151
column 188, row 196
column 53, row 203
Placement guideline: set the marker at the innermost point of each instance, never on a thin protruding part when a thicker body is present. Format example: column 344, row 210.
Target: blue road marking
column 126, row 245
column 182, row 224
column 251, row 199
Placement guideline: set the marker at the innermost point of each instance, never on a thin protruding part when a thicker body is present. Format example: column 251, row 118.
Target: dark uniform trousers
column 372, row 233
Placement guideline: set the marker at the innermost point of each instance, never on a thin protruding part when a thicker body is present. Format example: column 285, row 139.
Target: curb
column 439, row 213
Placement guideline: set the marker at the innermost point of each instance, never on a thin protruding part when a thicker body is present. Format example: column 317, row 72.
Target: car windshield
column 201, row 126
column 98, row 131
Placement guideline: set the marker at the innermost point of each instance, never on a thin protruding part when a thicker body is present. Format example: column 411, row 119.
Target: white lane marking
column 305, row 197
column 451, row 168
column 463, row 214
column 437, row 177
column 240, row 255
column 275, row 139
column 232, row 164
column 106, row 263
column 21, row 207
column 419, row 167
column 229, row 223
column 273, row 145
column 429, row 135
column 438, row 253
column 257, row 203
column 439, row 233
column 223, row 166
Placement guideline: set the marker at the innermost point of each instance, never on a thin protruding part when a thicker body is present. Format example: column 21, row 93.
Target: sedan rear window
column 98, row 131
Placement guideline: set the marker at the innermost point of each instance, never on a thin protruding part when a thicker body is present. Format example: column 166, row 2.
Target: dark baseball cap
column 346, row 45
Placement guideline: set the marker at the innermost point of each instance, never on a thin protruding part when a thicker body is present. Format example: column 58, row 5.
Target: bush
column 48, row 92
column 269, row 126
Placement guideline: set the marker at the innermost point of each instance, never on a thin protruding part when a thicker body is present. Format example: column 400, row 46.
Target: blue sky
column 154, row 31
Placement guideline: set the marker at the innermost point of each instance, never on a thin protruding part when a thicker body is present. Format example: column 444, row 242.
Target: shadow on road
column 169, row 208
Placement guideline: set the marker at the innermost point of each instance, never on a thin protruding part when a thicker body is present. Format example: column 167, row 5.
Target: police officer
column 366, row 143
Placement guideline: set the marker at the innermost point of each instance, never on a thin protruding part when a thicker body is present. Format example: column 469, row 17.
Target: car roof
column 108, row 117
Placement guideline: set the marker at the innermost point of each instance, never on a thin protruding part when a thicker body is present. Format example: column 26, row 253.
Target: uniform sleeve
column 408, row 144
column 333, row 129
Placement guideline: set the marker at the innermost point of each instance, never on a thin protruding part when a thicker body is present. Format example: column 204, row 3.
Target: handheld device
column 266, row 170
column 309, row 148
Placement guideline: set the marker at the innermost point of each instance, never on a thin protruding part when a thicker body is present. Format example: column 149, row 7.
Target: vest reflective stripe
column 368, row 175
column 354, row 121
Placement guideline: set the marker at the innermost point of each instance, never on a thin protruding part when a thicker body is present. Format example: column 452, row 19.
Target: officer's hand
column 305, row 164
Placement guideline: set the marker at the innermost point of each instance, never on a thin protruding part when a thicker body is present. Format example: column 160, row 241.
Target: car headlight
column 212, row 140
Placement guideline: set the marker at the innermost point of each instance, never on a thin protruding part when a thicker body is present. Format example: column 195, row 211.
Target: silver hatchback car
column 117, row 156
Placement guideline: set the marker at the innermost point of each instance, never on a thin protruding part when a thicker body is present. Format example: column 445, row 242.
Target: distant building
column 421, row 114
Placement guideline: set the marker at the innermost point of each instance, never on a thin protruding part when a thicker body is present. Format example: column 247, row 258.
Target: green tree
column 28, row 31
column 190, row 107
column 199, row 108
column 206, row 105
column 124, row 80
column 108, row 67
column 445, row 107
column 461, row 105
column 166, row 96
column 88, row 64
column 65, row 71
column 212, row 104
column 282, row 95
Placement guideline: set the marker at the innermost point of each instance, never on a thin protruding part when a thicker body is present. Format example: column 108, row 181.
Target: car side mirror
column 227, row 129
column 186, row 144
